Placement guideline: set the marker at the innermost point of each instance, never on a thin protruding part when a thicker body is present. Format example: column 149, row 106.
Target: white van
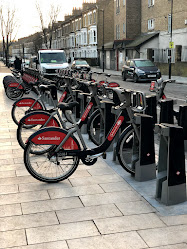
column 50, row 60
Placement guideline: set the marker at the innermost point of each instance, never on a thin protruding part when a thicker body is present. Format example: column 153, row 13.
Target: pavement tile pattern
column 93, row 209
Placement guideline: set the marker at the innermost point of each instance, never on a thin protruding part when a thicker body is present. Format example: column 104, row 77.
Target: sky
column 27, row 17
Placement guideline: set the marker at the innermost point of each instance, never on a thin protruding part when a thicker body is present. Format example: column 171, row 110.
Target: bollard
column 151, row 107
column 171, row 179
column 76, row 109
column 182, row 121
column 53, row 92
column 166, row 111
column 145, row 168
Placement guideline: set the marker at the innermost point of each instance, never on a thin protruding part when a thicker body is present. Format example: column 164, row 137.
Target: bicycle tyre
column 18, row 112
column 124, row 149
column 45, row 169
column 14, row 93
column 95, row 127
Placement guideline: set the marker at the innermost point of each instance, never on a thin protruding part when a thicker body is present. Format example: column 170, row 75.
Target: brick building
column 163, row 22
column 127, row 26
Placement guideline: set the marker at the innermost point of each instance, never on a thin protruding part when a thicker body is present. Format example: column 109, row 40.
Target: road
column 174, row 91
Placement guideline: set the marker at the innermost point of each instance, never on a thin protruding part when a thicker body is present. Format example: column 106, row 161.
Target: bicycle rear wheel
column 128, row 149
column 49, row 169
column 95, row 127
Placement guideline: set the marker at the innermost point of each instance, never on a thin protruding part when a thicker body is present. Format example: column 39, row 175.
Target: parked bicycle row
column 52, row 140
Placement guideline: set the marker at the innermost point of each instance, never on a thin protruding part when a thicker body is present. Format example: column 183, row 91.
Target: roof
column 143, row 38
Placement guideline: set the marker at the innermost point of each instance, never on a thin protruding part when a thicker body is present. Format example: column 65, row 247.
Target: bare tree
column 50, row 27
column 8, row 26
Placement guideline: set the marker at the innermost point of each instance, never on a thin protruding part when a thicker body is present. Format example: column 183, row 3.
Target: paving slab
column 50, row 245
column 128, row 240
column 164, row 236
column 61, row 232
column 128, row 223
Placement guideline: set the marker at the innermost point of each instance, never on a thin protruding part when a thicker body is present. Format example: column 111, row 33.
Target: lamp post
column 171, row 38
column 103, row 48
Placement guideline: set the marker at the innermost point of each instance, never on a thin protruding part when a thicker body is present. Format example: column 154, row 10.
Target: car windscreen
column 81, row 63
column 57, row 58
column 144, row 63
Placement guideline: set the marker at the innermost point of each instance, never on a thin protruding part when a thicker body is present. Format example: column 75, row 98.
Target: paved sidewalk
column 178, row 79
column 94, row 209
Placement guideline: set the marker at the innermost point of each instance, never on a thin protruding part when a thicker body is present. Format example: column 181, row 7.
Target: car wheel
column 135, row 78
column 123, row 76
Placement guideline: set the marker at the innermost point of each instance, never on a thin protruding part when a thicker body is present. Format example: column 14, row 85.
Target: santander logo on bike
column 43, row 138
column 36, row 120
column 85, row 114
column 115, row 128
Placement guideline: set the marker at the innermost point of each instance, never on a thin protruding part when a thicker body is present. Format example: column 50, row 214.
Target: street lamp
column 171, row 38
column 103, row 48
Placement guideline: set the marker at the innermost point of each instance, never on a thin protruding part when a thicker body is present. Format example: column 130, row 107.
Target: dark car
column 140, row 70
column 80, row 65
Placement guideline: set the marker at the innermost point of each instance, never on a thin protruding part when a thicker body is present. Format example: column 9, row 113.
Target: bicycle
column 159, row 90
column 15, row 87
column 65, row 151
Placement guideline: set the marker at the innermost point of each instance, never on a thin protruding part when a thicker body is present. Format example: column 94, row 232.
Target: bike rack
column 144, row 158
column 151, row 110
column 166, row 111
column 183, row 122
column 171, row 179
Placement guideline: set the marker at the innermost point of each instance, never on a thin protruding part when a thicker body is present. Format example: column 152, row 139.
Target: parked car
column 140, row 70
column 80, row 65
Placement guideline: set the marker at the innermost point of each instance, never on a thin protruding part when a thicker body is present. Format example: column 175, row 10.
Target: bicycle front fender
column 39, row 118
column 54, row 136
column 28, row 102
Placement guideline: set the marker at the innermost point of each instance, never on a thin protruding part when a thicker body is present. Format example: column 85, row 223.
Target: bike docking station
column 171, row 178
column 144, row 157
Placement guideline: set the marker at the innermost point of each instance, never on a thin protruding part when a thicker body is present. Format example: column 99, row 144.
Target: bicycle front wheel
column 128, row 149
column 48, row 169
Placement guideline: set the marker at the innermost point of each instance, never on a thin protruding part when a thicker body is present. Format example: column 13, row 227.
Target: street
column 175, row 91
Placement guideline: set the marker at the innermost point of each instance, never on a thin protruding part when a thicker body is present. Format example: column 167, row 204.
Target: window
column 95, row 38
column 85, row 21
column 151, row 3
column 94, row 17
column 169, row 23
column 117, row 32
column 124, row 2
column 117, row 6
column 124, row 27
column 151, row 24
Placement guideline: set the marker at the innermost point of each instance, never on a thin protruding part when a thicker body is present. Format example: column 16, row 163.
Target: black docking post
column 171, row 179
column 145, row 168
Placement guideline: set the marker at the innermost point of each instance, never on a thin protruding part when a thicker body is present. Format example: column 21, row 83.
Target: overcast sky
column 27, row 15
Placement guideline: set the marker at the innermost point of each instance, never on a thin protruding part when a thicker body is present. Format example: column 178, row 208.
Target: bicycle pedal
column 104, row 155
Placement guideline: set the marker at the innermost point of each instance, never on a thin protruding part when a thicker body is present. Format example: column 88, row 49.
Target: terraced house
column 163, row 34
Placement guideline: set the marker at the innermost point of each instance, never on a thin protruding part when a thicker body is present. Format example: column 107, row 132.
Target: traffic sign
column 171, row 44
